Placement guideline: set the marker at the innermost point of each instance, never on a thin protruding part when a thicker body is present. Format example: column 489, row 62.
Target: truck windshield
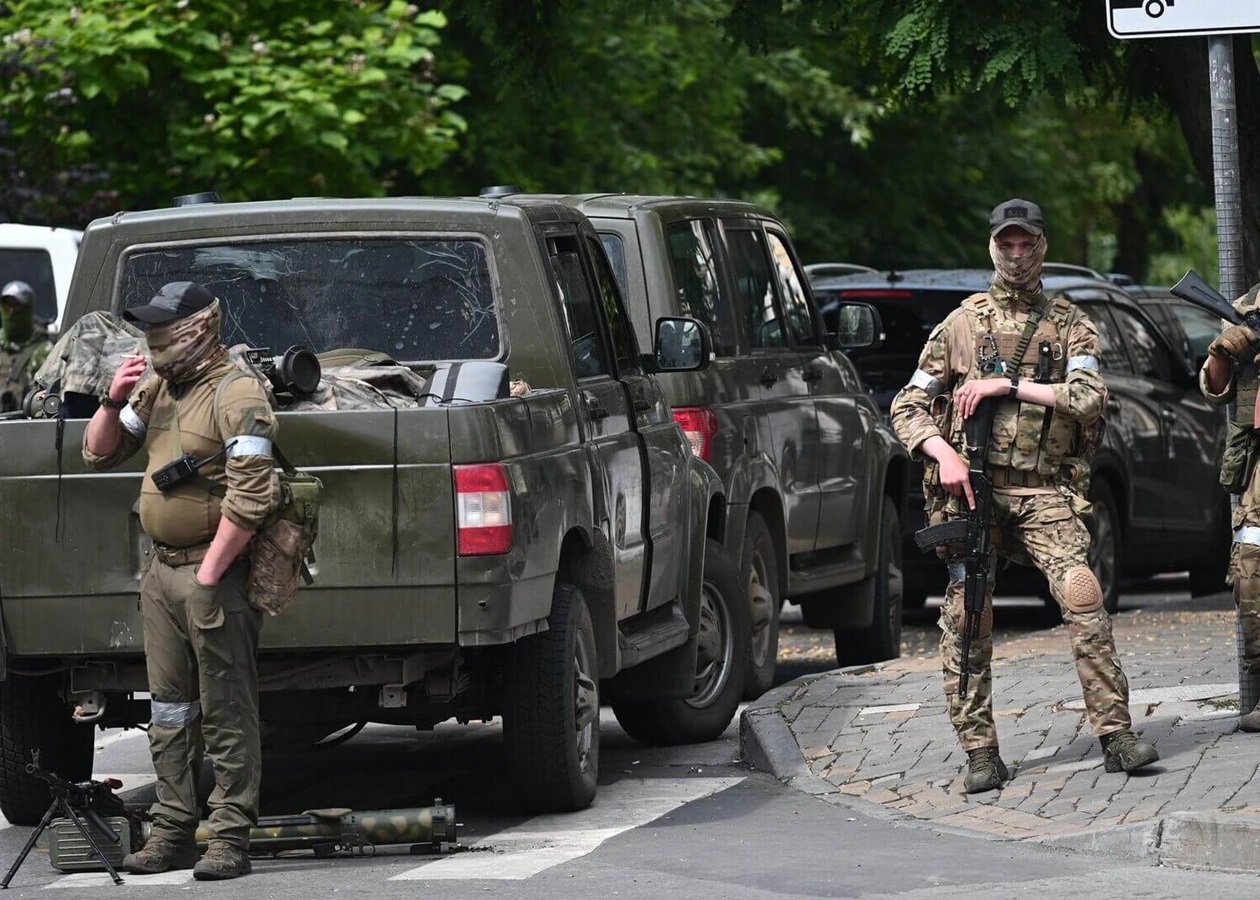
column 417, row 299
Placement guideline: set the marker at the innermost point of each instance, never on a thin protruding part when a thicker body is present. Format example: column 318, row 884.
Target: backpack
column 280, row 548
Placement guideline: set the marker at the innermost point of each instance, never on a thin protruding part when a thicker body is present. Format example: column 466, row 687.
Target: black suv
column 1158, row 506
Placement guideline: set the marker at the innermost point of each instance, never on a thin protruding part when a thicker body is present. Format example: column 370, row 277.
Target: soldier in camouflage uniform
column 23, row 346
column 200, row 633
column 969, row 357
column 1229, row 374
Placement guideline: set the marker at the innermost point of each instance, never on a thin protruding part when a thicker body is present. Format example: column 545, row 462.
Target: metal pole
column 1229, row 236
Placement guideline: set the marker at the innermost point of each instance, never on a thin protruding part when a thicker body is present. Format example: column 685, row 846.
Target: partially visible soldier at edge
column 1035, row 426
column 23, row 345
column 200, row 634
column 1229, row 375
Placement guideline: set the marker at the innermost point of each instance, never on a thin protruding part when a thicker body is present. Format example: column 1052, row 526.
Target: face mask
column 18, row 323
column 184, row 349
column 1024, row 273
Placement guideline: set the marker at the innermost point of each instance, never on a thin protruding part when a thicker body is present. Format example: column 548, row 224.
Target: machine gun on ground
column 973, row 530
column 77, row 802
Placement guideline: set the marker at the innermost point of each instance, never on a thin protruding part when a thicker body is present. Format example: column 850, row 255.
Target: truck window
column 623, row 342
column 756, row 288
column 692, row 259
column 615, row 249
column 33, row 266
column 791, row 288
column 417, row 299
column 579, row 307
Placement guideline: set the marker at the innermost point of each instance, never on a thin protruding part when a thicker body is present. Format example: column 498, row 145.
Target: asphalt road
column 679, row 822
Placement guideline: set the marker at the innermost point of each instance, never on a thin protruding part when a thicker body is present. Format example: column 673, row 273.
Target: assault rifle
column 973, row 530
column 1193, row 289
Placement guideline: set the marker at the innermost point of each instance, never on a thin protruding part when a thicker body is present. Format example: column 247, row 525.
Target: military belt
column 1018, row 478
column 181, row 556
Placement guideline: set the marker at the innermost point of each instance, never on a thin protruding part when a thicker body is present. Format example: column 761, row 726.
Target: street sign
column 1181, row 18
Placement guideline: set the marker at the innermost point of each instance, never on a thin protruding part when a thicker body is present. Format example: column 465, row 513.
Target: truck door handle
column 641, row 405
column 596, row 410
column 769, row 377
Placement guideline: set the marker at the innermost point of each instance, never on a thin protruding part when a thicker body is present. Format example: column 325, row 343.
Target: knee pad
column 1081, row 591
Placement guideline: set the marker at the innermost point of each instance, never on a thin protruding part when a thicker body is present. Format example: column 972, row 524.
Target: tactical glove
column 1234, row 343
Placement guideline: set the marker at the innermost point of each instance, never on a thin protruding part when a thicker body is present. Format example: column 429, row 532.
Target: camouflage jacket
column 18, row 364
column 958, row 349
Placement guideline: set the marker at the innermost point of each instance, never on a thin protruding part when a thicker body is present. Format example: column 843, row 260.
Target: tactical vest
column 1026, row 436
column 1240, row 432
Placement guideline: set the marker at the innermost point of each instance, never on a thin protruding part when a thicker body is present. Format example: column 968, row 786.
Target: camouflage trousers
column 201, row 647
column 1244, row 574
column 1043, row 527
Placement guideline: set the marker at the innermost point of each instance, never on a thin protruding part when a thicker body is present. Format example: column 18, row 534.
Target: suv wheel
column 551, row 713
column 1105, row 551
column 759, row 570
column 882, row 638
column 1208, row 575
column 33, row 716
column 721, row 661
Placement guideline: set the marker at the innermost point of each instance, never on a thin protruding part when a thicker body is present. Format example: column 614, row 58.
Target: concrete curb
column 1219, row 842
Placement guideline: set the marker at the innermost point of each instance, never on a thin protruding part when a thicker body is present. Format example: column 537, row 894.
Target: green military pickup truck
column 481, row 552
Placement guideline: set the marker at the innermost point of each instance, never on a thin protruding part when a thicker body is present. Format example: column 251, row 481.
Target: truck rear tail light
column 483, row 510
column 699, row 424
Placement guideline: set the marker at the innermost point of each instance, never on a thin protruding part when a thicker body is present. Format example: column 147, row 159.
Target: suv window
column 417, row 299
column 693, row 261
column 755, row 283
column 579, row 307
column 1150, row 358
column 1200, row 326
column 614, row 315
column 791, row 288
column 615, row 249
column 35, row 268
column 1112, row 357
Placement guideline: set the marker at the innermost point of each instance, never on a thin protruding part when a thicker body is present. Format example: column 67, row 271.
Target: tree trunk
column 1183, row 72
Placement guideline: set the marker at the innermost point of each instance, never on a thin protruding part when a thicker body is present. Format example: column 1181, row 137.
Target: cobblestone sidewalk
column 883, row 735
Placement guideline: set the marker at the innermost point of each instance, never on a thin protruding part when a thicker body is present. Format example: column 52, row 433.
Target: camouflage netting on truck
column 87, row 355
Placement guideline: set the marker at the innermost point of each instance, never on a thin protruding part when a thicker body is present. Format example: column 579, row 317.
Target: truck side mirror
column 682, row 345
column 854, row 326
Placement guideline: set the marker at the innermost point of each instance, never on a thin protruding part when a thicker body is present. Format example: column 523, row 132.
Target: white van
column 44, row 258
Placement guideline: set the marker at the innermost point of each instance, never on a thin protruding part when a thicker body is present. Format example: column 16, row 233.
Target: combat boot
column 985, row 770
column 160, row 855
column 222, row 861
column 1123, row 752
column 1250, row 721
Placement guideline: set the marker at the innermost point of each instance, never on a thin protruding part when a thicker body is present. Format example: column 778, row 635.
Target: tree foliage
column 256, row 100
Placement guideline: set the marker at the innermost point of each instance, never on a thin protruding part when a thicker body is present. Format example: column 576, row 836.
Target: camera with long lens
column 296, row 372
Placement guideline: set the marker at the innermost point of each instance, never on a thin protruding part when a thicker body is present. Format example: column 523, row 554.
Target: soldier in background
column 200, row 633
column 969, row 357
column 23, row 345
column 1226, row 377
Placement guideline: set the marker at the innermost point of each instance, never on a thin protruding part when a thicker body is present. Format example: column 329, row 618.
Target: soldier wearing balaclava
column 200, row 633
column 23, row 346
column 1037, row 360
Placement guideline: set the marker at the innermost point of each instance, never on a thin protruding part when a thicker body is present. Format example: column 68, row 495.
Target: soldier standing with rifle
column 1010, row 378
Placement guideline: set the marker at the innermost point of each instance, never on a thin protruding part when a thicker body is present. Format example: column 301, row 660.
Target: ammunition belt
column 1018, row 478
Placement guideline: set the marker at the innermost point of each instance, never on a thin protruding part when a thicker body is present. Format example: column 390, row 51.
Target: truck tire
column 33, row 716
column 881, row 639
column 759, row 570
column 721, row 662
column 551, row 713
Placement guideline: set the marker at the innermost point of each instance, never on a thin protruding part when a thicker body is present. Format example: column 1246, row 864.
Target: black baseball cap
column 175, row 300
column 1022, row 213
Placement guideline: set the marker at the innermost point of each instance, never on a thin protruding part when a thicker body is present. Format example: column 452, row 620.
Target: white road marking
column 546, row 841
column 125, row 735
column 1180, row 692
column 894, row 708
column 102, row 879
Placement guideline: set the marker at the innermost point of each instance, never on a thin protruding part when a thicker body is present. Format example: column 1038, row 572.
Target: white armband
column 248, row 445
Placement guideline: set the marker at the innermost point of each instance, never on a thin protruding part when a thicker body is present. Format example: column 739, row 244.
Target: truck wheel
column 721, row 660
column 1104, row 543
column 33, row 716
column 759, row 570
column 1207, row 576
column 551, row 713
column 882, row 638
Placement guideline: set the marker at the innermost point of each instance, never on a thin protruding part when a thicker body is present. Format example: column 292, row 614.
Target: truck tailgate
column 71, row 557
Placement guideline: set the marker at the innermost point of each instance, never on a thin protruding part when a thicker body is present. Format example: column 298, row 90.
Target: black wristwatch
column 109, row 403
column 1014, row 392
